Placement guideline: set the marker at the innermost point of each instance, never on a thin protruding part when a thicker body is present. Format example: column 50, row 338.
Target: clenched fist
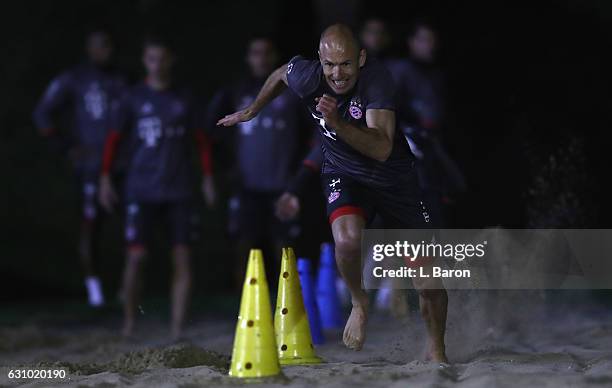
column 328, row 106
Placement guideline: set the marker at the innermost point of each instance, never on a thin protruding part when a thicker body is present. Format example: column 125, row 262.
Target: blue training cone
column 327, row 294
column 310, row 300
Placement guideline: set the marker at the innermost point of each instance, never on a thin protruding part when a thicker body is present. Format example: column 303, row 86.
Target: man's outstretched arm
column 274, row 85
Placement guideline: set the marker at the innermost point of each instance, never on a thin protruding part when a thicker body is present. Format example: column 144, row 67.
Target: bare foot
column 436, row 355
column 354, row 331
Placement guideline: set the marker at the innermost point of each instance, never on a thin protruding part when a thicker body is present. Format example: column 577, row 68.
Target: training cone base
column 291, row 327
column 301, row 361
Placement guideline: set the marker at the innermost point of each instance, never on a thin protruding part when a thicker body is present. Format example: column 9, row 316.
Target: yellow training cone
column 254, row 353
column 290, row 320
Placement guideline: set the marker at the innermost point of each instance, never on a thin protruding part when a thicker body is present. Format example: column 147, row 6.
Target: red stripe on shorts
column 344, row 211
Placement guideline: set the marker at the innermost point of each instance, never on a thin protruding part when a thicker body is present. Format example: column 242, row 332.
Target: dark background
column 529, row 114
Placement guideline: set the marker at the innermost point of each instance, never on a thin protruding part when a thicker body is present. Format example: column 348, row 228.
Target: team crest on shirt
column 334, row 195
column 355, row 109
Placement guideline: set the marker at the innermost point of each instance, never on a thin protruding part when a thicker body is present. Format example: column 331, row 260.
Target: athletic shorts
column 398, row 207
column 252, row 217
column 177, row 217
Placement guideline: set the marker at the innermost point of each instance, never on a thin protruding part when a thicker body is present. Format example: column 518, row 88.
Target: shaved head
column 339, row 37
column 341, row 57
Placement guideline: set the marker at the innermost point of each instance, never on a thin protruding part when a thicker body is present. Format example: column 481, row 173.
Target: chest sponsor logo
column 95, row 101
column 149, row 130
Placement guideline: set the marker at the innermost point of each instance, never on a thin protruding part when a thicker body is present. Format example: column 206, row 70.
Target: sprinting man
column 158, row 120
column 368, row 165
column 264, row 152
column 86, row 92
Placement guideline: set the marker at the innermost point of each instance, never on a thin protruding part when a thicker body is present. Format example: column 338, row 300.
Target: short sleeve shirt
column 374, row 90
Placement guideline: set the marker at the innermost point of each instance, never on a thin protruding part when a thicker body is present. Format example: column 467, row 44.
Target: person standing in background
column 420, row 115
column 263, row 155
column 85, row 94
column 375, row 38
column 159, row 121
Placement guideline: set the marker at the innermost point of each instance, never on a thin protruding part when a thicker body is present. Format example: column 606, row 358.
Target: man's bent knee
column 347, row 247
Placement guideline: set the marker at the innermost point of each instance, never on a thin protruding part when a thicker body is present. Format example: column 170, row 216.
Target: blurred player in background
column 367, row 169
column 264, row 154
column 84, row 95
column 158, row 120
column 375, row 38
column 420, row 114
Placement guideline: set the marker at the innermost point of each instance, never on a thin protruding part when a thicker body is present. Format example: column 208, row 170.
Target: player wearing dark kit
column 87, row 92
column 264, row 154
column 157, row 121
column 421, row 109
column 367, row 167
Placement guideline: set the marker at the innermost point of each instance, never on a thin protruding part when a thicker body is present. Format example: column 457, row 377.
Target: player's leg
column 346, row 230
column 132, row 285
column 245, row 217
column 433, row 301
column 401, row 209
column 179, row 216
column 137, row 216
column 181, row 287
column 348, row 218
column 88, row 236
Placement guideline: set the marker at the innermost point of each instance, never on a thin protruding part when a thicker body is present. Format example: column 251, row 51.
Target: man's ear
column 362, row 57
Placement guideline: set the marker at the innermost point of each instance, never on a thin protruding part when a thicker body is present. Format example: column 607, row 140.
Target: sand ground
column 494, row 340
